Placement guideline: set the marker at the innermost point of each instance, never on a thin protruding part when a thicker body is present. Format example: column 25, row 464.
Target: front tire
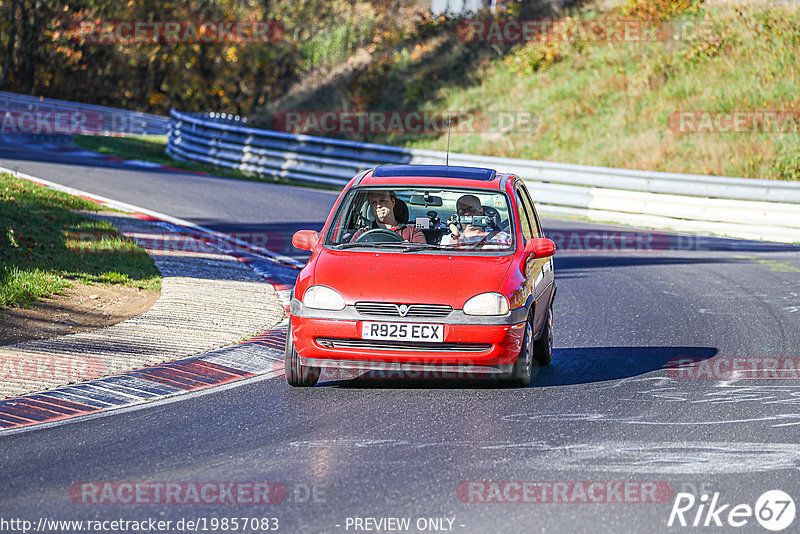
column 523, row 367
column 297, row 374
column 543, row 347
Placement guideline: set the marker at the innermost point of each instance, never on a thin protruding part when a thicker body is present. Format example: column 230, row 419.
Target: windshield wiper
column 409, row 247
column 416, row 246
column 341, row 246
column 366, row 244
column 405, row 246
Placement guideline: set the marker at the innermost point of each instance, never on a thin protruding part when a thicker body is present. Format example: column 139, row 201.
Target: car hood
column 410, row 277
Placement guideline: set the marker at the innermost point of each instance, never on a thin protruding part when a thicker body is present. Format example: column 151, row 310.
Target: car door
column 541, row 269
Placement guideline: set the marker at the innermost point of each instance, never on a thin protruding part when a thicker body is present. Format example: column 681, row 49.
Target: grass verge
column 45, row 246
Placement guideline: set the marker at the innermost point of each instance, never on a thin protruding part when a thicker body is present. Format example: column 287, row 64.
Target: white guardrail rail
column 101, row 119
column 737, row 207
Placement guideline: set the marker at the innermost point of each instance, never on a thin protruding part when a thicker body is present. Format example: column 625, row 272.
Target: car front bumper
column 472, row 345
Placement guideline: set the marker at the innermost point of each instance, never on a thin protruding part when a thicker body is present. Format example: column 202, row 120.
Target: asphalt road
column 605, row 411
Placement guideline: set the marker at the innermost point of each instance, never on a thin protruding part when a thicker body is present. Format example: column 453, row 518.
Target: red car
column 425, row 268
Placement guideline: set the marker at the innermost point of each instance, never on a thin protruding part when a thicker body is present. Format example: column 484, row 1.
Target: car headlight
column 323, row 298
column 486, row 304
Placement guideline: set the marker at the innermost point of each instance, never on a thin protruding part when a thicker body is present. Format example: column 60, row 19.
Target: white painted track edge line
column 124, row 206
column 144, row 403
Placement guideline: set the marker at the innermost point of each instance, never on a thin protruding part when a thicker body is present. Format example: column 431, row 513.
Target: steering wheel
column 379, row 235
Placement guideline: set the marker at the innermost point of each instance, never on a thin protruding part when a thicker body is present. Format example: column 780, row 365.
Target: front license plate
column 403, row 331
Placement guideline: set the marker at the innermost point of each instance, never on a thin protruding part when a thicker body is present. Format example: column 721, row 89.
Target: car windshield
column 408, row 220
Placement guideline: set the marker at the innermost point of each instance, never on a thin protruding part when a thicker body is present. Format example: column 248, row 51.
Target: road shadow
column 570, row 366
column 585, row 365
column 276, row 237
column 601, row 239
column 565, row 263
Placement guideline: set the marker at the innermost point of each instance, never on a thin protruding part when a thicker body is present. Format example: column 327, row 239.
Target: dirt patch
column 80, row 308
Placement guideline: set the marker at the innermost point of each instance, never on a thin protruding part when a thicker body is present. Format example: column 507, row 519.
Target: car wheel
column 523, row 367
column 543, row 347
column 298, row 374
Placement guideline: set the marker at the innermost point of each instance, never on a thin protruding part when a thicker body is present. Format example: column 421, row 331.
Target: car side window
column 524, row 217
column 345, row 221
column 528, row 203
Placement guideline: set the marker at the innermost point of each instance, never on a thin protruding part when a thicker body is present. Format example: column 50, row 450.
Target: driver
column 382, row 205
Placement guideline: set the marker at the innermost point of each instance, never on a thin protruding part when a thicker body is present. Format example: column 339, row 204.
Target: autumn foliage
column 45, row 50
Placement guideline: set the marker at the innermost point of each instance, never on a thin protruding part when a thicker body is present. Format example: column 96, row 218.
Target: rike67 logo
column 774, row 510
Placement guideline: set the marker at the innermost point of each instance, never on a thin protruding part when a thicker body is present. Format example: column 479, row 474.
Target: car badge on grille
column 403, row 309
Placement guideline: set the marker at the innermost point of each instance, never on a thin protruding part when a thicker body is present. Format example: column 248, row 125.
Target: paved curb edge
column 257, row 356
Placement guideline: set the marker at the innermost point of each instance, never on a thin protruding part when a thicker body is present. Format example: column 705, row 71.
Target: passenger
column 383, row 204
column 473, row 235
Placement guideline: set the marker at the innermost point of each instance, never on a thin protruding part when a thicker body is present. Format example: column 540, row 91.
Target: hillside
column 611, row 102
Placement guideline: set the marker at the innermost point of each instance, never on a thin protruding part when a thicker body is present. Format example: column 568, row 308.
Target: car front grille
column 389, row 309
column 341, row 343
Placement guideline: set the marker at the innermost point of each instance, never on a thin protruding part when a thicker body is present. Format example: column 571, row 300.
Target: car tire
column 522, row 370
column 543, row 347
column 297, row 374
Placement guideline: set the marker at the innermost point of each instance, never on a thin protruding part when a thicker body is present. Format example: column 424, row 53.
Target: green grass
column 147, row 148
column 153, row 148
column 45, row 246
column 144, row 147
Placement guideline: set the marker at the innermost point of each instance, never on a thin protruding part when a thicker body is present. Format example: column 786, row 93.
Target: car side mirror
column 305, row 239
column 541, row 247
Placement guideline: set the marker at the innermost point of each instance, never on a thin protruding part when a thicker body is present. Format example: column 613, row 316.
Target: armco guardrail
column 112, row 121
column 737, row 207
column 277, row 154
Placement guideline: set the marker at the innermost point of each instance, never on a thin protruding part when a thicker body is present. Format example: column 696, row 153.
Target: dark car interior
column 429, row 217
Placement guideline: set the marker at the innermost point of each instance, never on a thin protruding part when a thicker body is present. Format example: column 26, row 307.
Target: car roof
column 434, row 175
